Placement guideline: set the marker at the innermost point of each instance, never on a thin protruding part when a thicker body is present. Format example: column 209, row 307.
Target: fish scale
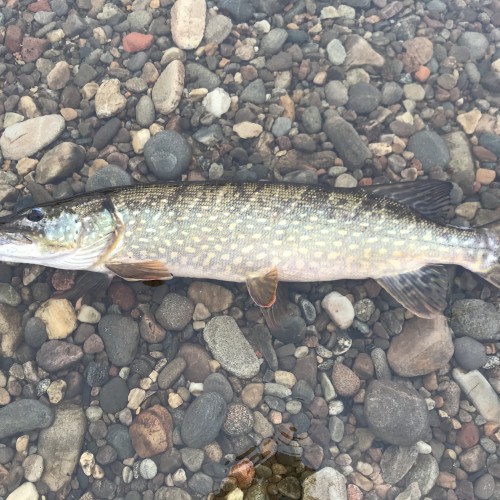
column 308, row 233
column 260, row 233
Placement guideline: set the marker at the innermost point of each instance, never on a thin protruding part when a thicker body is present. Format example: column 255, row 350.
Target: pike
column 260, row 233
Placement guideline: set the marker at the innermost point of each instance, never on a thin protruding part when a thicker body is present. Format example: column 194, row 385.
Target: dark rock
column 24, row 415
column 363, row 98
column 167, row 155
column 395, row 413
column 120, row 336
column 113, row 396
column 469, row 353
column 107, row 177
column 430, row 149
column 347, row 143
column 475, row 318
column 203, row 420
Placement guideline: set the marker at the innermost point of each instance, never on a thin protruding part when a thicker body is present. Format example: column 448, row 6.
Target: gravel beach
column 179, row 391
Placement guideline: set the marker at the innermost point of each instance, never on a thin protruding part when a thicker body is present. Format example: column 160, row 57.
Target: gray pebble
column 430, row 149
column 145, row 111
column 120, row 335
column 167, row 155
column 201, row 483
column 239, row 420
column 35, row 332
column 254, row 92
column 174, row 312
column 476, row 42
column 311, row 119
column 108, row 176
column 192, row 458
column 281, row 126
column 336, row 93
column 118, row 437
column 148, row 469
column 24, row 415
column 113, row 396
column 273, row 41
column 203, row 420
column 395, row 413
column 475, row 318
column 363, row 98
column 216, row 382
column 469, row 353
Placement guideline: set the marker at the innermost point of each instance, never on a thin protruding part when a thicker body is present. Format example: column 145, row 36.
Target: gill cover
column 68, row 234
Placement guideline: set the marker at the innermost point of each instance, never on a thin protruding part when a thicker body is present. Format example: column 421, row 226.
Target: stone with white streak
column 480, row 392
column 30, row 136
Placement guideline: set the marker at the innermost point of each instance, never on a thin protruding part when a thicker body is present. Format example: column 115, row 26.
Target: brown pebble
column 243, row 472
column 63, row 280
column 468, row 435
column 121, row 295
column 197, row 361
column 93, row 344
column 151, row 432
column 363, row 366
column 344, row 380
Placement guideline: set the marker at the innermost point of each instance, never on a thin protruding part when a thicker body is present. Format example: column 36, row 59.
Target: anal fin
column 140, row 271
column 262, row 287
column 423, row 292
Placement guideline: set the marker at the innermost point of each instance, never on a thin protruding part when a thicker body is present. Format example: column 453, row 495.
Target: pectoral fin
column 140, row 271
column 262, row 287
column 422, row 292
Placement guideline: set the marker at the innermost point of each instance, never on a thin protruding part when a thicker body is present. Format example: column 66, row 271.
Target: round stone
column 363, row 98
column 239, row 420
column 148, row 469
column 174, row 312
column 167, row 155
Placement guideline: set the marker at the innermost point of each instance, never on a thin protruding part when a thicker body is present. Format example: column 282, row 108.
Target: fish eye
column 35, row 215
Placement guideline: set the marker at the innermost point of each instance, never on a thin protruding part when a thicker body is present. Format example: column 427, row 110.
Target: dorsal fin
column 429, row 198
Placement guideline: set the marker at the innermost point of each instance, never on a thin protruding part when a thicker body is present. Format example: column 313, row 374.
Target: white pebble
column 148, row 469
column 217, row 102
column 339, row 308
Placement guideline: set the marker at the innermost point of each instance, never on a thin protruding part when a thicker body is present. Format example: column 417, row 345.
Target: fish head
column 69, row 234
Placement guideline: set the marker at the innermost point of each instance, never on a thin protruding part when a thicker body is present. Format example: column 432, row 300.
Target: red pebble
column 13, row 38
column 136, row 42
column 468, row 435
column 39, row 6
column 33, row 48
column 63, row 280
column 121, row 295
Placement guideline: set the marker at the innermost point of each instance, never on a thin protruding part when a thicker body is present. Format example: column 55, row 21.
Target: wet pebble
column 57, row 355
column 475, row 318
column 339, row 308
column 174, row 312
column 203, row 420
column 120, row 335
column 113, row 395
column 239, row 420
column 108, row 176
column 469, row 353
column 24, row 415
column 230, row 347
column 30, row 136
column 216, row 382
column 60, row 454
column 171, row 372
column 422, row 347
column 151, row 432
column 59, row 162
column 167, row 90
column 167, row 155
column 395, row 413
